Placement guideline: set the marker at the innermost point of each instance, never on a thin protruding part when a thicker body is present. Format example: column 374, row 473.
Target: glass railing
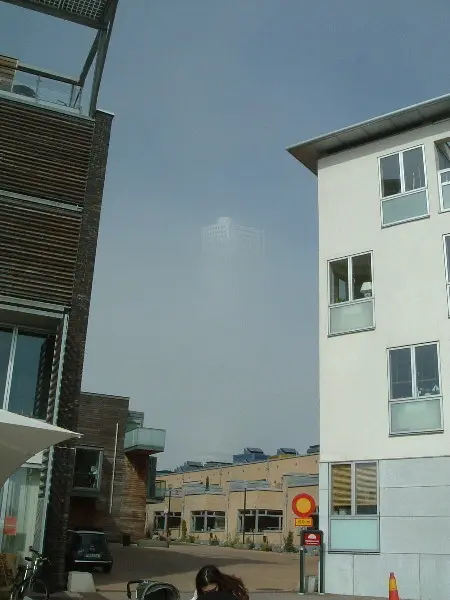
column 145, row 438
column 43, row 90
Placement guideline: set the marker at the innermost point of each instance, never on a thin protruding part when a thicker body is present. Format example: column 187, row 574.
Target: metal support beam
column 89, row 59
column 46, row 74
column 105, row 36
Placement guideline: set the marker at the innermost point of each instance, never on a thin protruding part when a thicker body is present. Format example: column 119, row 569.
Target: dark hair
column 210, row 574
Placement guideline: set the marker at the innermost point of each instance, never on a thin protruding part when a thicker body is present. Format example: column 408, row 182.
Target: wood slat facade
column 38, row 251
column 44, row 153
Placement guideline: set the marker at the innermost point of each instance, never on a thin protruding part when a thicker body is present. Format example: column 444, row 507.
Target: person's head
column 211, row 579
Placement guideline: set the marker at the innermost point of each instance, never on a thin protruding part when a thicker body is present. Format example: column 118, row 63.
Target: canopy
column 21, row 438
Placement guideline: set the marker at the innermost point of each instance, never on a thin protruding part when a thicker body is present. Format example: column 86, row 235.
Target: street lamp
column 244, row 513
column 168, row 515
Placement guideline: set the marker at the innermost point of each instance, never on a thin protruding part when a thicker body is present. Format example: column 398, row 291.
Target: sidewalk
column 184, row 596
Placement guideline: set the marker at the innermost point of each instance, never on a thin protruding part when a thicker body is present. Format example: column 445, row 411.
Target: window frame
column 415, row 397
column 260, row 512
column 205, row 514
column 354, row 516
column 447, row 270
column 100, row 451
column 439, row 171
column 350, row 302
column 403, row 193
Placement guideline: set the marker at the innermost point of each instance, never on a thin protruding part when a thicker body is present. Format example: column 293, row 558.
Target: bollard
column 301, row 590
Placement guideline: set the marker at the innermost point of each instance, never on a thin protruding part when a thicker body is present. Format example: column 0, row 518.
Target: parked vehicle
column 87, row 549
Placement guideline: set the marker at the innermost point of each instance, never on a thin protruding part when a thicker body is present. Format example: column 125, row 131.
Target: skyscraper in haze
column 227, row 239
column 233, row 265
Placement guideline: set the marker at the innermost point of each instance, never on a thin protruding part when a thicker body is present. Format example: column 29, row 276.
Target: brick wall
column 98, row 415
column 59, row 501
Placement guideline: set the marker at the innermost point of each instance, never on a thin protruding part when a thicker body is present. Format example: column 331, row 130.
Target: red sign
column 303, row 505
column 312, row 539
column 10, row 526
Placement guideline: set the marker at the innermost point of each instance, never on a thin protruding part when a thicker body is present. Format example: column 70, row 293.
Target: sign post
column 314, row 539
column 303, row 506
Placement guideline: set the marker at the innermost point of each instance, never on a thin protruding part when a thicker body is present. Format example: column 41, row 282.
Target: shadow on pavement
column 159, row 563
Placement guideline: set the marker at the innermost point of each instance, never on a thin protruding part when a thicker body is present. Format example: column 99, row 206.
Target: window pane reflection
column 30, row 379
column 5, row 350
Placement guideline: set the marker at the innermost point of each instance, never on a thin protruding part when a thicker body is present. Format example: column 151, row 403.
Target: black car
column 87, row 549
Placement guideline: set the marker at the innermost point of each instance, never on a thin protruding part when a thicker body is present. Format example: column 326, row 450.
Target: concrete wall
column 414, row 534
column 410, row 300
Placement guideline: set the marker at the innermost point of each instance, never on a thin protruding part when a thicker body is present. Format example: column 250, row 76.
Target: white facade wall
column 409, row 289
column 410, row 301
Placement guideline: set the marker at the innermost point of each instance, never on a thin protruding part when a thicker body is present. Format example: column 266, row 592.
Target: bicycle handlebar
column 133, row 582
column 37, row 555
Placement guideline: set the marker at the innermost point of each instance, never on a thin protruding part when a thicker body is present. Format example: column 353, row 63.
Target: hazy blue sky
column 207, row 94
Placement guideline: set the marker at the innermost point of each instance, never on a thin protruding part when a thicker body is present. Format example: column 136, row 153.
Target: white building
column 384, row 239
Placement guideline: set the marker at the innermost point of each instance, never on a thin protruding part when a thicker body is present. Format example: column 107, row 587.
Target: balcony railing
column 40, row 87
column 145, row 439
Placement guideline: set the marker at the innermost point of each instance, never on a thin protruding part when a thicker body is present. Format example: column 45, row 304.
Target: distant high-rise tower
column 233, row 264
column 226, row 239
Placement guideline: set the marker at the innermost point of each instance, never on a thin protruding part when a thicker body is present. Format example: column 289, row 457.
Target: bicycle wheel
column 15, row 594
column 37, row 589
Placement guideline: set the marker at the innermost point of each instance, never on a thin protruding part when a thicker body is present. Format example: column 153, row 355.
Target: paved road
column 261, row 571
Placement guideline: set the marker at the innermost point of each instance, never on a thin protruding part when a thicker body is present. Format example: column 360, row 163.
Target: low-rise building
column 219, row 502
column 113, row 466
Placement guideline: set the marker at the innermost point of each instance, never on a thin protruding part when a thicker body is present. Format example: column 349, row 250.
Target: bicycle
column 27, row 582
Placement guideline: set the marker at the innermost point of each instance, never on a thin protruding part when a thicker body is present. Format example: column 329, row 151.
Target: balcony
column 145, row 440
column 37, row 86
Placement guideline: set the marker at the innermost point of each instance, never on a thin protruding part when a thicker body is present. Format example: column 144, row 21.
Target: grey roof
column 425, row 113
column 92, row 13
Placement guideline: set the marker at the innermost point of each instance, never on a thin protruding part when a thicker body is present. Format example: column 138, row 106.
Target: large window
column 351, row 294
column 443, row 159
column 203, row 520
column 18, row 506
column 259, row 520
column 415, row 399
column 88, row 467
column 447, row 267
column 25, row 370
column 403, row 186
column 354, row 522
column 173, row 521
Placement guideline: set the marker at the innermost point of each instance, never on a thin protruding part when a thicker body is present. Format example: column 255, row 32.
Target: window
column 203, row 520
column 447, row 267
column 415, row 399
column 259, row 520
column 351, row 294
column 25, row 370
column 403, row 186
column 443, row 159
column 354, row 523
column 173, row 521
column 88, row 466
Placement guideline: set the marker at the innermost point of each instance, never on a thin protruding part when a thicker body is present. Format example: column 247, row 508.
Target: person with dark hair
column 212, row 584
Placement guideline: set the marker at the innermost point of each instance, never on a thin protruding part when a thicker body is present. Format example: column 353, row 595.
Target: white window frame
column 205, row 514
column 403, row 192
column 439, row 172
column 99, row 466
column 447, row 270
column 350, row 301
column 415, row 396
column 353, row 516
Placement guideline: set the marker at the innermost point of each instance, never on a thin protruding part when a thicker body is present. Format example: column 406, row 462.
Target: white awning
column 21, row 438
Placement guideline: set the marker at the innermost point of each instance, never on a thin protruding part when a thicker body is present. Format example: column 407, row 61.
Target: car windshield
column 93, row 541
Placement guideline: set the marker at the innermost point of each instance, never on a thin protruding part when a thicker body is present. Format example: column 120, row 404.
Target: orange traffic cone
column 393, row 590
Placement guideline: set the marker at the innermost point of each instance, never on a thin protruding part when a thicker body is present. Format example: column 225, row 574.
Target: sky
column 207, row 95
